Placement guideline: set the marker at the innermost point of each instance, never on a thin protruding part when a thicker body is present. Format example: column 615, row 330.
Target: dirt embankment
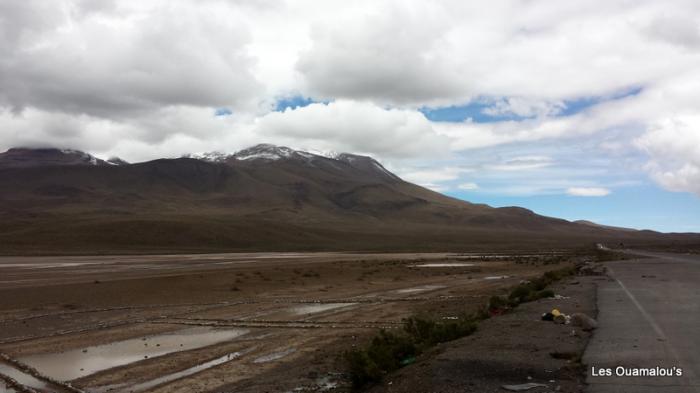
column 511, row 349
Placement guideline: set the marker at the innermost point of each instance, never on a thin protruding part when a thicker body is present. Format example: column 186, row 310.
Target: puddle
column 2, row 265
column 21, row 377
column 65, row 264
column 169, row 377
column 286, row 256
column 69, row 365
column 274, row 356
column 46, row 265
column 444, row 265
column 495, row 277
column 420, row 289
column 486, row 256
column 318, row 307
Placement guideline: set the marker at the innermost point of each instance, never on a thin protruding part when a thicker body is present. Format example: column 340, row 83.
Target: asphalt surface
column 649, row 317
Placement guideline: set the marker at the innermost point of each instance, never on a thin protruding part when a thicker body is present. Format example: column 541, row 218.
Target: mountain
column 593, row 224
column 116, row 161
column 267, row 152
column 26, row 157
column 262, row 198
column 22, row 157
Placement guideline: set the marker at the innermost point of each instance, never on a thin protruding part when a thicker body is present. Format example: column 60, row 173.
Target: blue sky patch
column 293, row 103
column 633, row 207
column 477, row 110
column 474, row 110
column 220, row 112
column 575, row 106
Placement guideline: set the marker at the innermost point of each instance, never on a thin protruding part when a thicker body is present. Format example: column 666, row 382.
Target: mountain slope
column 25, row 157
column 262, row 198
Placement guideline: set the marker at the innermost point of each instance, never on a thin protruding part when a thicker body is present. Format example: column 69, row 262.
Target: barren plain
column 243, row 322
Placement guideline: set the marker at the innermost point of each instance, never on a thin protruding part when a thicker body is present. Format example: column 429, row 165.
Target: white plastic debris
column 584, row 321
column 523, row 387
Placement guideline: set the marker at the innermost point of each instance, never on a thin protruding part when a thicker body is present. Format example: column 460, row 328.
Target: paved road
column 649, row 316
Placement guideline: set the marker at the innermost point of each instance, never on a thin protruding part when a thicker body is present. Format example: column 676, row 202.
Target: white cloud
column 142, row 79
column 386, row 51
column 433, row 175
column 673, row 145
column 417, row 52
column 436, row 187
column 468, row 186
column 588, row 191
column 169, row 132
column 124, row 63
column 522, row 163
column 675, row 27
column 356, row 126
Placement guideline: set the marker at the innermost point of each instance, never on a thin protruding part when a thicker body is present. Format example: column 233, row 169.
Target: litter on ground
column 523, row 387
column 581, row 320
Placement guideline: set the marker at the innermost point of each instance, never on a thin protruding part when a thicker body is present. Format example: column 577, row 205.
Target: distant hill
column 593, row 224
column 27, row 158
column 262, row 198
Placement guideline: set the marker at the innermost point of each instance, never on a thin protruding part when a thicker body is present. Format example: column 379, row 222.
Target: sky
column 580, row 110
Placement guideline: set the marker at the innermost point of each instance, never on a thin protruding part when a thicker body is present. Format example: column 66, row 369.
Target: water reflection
column 78, row 363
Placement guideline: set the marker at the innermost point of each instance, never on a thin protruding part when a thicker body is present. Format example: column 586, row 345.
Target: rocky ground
column 296, row 314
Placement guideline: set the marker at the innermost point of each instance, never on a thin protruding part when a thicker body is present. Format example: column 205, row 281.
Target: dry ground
column 299, row 312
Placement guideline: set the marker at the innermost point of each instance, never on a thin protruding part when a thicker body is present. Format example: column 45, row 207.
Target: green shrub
column 498, row 303
column 428, row 332
column 363, row 369
column 535, row 289
column 545, row 294
column 384, row 354
column 556, row 275
column 390, row 351
column 521, row 293
column 482, row 313
column 540, row 283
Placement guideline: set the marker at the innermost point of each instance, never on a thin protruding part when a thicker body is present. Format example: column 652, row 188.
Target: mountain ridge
column 261, row 198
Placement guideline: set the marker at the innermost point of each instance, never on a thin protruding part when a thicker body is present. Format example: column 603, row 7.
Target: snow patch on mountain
column 116, row 161
column 381, row 169
column 212, row 156
column 89, row 158
column 265, row 151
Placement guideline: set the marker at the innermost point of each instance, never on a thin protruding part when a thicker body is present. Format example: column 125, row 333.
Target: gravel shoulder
column 514, row 348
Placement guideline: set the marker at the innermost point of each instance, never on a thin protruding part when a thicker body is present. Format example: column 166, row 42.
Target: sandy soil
column 300, row 311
